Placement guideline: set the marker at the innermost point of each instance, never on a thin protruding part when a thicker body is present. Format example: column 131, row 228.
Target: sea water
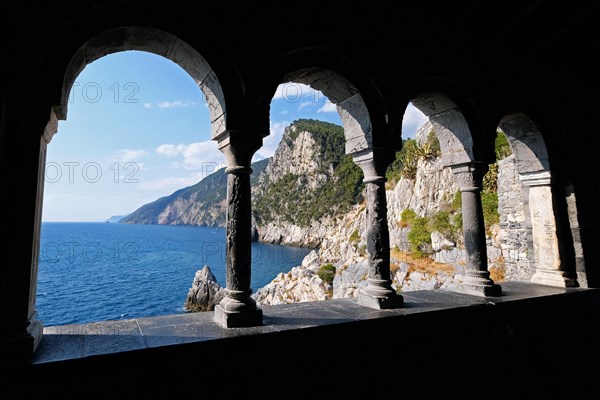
column 90, row 272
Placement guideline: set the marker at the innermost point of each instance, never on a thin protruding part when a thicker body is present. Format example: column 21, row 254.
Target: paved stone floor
column 77, row 341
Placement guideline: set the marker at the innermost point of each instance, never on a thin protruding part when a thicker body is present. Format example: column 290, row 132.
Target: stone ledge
column 61, row 343
column 441, row 344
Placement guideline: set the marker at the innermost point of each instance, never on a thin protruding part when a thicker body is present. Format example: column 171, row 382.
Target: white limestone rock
column 205, row 292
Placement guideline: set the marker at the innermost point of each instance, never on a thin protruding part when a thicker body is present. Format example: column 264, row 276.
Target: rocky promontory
column 205, row 292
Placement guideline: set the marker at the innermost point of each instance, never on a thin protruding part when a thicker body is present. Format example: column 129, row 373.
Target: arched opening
column 317, row 181
column 456, row 215
column 76, row 248
column 546, row 254
column 424, row 213
column 329, row 188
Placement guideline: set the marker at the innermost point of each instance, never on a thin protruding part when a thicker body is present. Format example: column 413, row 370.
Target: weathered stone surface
column 527, row 143
column 512, row 233
column 298, row 285
column 439, row 242
column 350, row 279
column 431, row 190
column 455, row 137
column 205, row 292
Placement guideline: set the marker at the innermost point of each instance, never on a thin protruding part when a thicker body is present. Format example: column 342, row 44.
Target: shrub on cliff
column 327, row 273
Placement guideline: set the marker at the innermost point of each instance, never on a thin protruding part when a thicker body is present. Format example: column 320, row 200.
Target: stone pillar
column 476, row 278
column 20, row 330
column 238, row 309
column 549, row 268
column 573, row 214
column 379, row 293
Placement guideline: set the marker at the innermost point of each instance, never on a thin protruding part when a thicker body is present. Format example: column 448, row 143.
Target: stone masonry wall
column 512, row 235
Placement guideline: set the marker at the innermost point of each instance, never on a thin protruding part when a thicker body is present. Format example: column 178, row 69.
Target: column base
column 478, row 283
column 492, row 290
column 238, row 319
column 20, row 340
column 380, row 302
column 553, row 278
column 380, row 295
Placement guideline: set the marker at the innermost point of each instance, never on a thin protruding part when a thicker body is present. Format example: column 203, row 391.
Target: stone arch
column 549, row 259
column 527, row 143
column 110, row 41
column 351, row 106
column 458, row 152
column 358, row 127
column 153, row 41
column 451, row 127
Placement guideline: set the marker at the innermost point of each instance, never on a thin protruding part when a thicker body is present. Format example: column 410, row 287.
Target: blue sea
column 90, row 272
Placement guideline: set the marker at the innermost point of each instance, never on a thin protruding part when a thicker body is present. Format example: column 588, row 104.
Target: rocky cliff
column 310, row 195
column 431, row 192
column 205, row 292
column 308, row 182
column 202, row 204
column 295, row 194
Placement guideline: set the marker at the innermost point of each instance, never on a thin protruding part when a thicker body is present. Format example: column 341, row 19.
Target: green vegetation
column 502, row 145
column 257, row 168
column 457, row 201
column 419, row 236
column 354, row 236
column 405, row 164
column 449, row 221
column 408, row 216
column 314, row 126
column 327, row 273
column 490, row 179
column 489, row 203
column 208, row 192
column 430, row 149
column 289, row 200
column 442, row 222
column 489, row 193
column 362, row 250
column 421, row 228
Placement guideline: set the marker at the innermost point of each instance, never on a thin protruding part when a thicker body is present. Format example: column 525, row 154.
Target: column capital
column 470, row 175
column 537, row 178
column 374, row 163
column 238, row 148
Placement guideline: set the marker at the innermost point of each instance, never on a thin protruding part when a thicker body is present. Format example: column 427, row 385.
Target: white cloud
column 170, row 150
column 172, row 184
column 327, row 107
column 126, row 155
column 196, row 156
column 271, row 142
column 412, row 120
column 305, row 104
column 171, row 104
column 199, row 154
column 294, row 92
column 284, row 112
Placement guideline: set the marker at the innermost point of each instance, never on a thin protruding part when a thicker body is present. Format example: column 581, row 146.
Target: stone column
column 476, row 278
column 379, row 293
column 238, row 309
column 573, row 217
column 20, row 330
column 549, row 268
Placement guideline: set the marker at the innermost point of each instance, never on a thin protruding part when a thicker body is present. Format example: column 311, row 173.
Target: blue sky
column 138, row 129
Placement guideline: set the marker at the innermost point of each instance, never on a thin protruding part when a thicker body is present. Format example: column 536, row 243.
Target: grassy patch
column 424, row 265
